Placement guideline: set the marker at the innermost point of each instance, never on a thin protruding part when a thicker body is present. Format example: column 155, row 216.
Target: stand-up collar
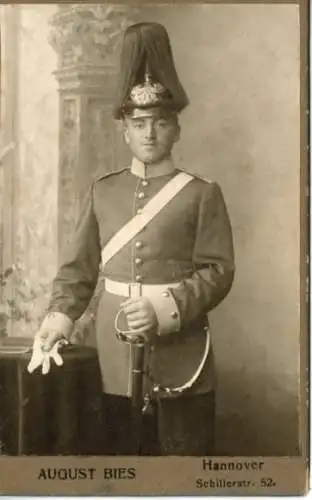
column 164, row 167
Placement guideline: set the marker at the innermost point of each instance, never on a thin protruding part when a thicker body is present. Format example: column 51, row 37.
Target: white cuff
column 58, row 322
column 167, row 313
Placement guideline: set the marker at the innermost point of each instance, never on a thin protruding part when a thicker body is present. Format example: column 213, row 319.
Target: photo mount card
column 154, row 256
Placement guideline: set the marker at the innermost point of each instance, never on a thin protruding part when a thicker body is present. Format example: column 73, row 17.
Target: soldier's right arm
column 77, row 276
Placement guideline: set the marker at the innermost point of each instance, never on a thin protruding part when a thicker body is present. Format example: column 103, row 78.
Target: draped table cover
column 55, row 414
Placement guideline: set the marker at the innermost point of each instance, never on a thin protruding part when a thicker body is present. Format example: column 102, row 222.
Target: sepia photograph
column 151, row 235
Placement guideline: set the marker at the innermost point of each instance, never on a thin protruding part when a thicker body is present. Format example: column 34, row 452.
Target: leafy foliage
column 19, row 299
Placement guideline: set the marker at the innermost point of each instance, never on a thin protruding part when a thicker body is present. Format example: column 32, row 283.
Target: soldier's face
column 151, row 134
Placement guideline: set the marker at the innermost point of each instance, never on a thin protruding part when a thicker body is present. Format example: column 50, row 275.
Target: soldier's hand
column 48, row 339
column 141, row 316
column 45, row 347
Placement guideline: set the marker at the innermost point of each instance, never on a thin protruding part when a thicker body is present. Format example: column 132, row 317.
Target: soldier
column 164, row 241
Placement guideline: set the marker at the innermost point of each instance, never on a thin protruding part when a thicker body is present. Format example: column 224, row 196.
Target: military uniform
column 189, row 242
column 187, row 250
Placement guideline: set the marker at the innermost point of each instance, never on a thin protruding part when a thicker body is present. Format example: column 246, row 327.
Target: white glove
column 41, row 357
column 55, row 329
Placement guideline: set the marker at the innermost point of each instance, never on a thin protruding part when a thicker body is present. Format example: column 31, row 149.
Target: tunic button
column 141, row 195
column 138, row 261
column 139, row 244
column 138, row 278
column 174, row 315
column 144, row 183
column 165, row 294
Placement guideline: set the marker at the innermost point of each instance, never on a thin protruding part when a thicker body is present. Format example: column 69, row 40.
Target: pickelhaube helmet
column 147, row 77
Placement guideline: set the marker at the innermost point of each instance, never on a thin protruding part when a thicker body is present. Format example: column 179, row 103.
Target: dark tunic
column 189, row 241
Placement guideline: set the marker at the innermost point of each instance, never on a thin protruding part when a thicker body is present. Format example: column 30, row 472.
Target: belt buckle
column 135, row 290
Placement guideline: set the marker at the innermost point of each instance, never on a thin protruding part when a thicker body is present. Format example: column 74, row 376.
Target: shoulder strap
column 98, row 176
column 198, row 176
column 139, row 221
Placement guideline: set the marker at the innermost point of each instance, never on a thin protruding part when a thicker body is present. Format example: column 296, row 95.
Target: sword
column 137, row 400
column 137, row 354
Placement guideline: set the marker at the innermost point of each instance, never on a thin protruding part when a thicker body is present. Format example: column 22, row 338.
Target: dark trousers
column 177, row 426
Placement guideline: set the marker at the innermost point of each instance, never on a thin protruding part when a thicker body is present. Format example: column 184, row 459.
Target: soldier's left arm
column 77, row 276
column 213, row 258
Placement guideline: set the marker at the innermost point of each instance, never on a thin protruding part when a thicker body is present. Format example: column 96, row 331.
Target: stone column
column 87, row 41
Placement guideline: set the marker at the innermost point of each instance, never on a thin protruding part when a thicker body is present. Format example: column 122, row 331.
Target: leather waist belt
column 136, row 289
